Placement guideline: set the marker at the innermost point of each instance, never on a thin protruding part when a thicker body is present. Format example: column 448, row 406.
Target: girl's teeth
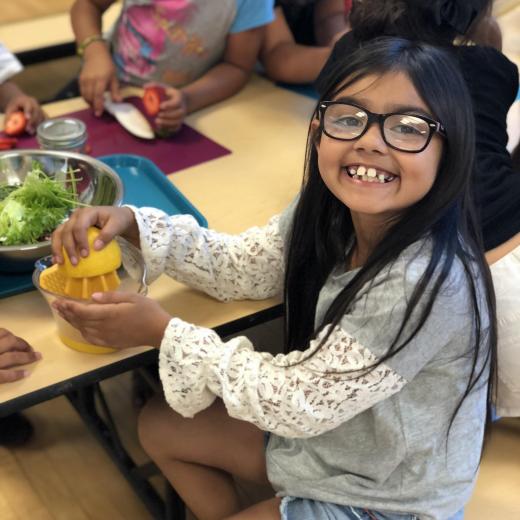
column 368, row 174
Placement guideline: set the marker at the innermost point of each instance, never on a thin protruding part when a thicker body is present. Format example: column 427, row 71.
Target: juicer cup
column 132, row 274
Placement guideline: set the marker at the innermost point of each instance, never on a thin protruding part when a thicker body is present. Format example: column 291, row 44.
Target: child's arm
column 13, row 99
column 284, row 59
column 14, row 353
column 309, row 391
column 330, row 21
column 228, row 267
column 487, row 33
column 220, row 82
column 98, row 72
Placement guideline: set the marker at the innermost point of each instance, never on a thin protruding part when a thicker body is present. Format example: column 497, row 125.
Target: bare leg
column 199, row 455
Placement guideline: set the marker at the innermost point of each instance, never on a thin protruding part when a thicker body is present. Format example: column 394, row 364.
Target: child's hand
column 72, row 234
column 116, row 319
column 30, row 107
column 14, row 351
column 98, row 75
column 172, row 111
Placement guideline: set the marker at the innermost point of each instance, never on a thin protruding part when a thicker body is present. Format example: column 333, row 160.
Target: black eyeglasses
column 404, row 132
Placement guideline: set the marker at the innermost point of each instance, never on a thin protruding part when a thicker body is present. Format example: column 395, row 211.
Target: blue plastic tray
column 144, row 184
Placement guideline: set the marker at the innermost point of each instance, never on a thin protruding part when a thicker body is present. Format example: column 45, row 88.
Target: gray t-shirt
column 396, row 455
column 177, row 41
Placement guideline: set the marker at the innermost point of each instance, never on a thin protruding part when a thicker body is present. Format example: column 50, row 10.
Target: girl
column 377, row 408
column 493, row 84
column 203, row 51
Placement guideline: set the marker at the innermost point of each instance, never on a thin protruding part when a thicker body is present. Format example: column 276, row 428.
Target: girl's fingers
column 83, row 219
column 86, row 88
column 80, row 312
column 113, row 297
column 171, row 115
column 56, row 244
column 72, row 235
column 99, row 91
column 8, row 342
column 69, row 243
column 14, row 343
column 9, row 376
column 114, row 90
column 15, row 358
column 92, row 336
column 170, row 123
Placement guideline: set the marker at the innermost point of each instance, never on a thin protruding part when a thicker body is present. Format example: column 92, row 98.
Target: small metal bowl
column 100, row 185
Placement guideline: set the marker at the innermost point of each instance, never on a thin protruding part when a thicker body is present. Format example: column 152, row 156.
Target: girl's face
column 401, row 178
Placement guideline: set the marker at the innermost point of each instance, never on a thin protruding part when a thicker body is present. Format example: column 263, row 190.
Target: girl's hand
column 72, row 234
column 116, row 319
column 98, row 75
column 30, row 107
column 173, row 110
column 14, row 351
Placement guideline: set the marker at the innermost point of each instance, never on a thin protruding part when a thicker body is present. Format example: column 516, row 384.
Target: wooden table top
column 265, row 127
column 53, row 29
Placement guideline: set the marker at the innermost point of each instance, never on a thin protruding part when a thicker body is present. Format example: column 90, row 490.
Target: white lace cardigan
column 294, row 395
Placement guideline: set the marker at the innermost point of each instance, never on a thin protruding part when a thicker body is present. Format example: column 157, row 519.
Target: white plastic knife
column 130, row 118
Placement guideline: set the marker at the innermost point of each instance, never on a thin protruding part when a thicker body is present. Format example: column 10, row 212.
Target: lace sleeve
column 227, row 267
column 294, row 395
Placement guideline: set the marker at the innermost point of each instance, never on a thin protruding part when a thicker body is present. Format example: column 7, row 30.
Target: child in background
column 299, row 40
column 378, row 407
column 203, row 51
column 493, row 84
column 15, row 352
column 12, row 98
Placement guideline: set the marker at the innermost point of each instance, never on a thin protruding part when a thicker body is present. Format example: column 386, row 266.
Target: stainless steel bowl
column 100, row 185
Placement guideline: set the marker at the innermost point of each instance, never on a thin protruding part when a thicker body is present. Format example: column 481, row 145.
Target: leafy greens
column 32, row 210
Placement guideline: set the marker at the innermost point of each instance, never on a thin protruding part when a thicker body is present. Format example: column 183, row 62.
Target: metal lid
column 60, row 130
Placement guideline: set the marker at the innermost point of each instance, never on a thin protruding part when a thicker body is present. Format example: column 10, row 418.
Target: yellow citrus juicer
column 95, row 273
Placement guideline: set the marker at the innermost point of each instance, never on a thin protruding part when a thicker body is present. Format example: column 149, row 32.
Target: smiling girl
column 377, row 409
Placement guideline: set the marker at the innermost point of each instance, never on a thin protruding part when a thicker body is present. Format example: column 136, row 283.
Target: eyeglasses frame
column 434, row 126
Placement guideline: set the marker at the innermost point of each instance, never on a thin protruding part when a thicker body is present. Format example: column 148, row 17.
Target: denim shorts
column 293, row 508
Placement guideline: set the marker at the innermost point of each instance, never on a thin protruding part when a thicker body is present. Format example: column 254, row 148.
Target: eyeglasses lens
column 345, row 121
column 406, row 132
column 402, row 131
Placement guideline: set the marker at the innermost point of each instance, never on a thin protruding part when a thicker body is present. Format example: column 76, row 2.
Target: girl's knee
column 152, row 422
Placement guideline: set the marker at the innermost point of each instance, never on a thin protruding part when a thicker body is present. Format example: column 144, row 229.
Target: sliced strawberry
column 15, row 123
column 6, row 143
column 153, row 96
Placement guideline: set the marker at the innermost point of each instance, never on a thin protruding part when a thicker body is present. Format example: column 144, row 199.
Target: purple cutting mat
column 106, row 136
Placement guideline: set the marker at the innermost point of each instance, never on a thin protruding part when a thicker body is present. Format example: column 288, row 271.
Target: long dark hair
column 322, row 228
column 433, row 21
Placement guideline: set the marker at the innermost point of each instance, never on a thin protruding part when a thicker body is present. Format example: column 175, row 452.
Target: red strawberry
column 15, row 123
column 6, row 143
column 153, row 96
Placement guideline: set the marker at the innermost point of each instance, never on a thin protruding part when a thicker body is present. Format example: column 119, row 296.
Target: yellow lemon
column 97, row 263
